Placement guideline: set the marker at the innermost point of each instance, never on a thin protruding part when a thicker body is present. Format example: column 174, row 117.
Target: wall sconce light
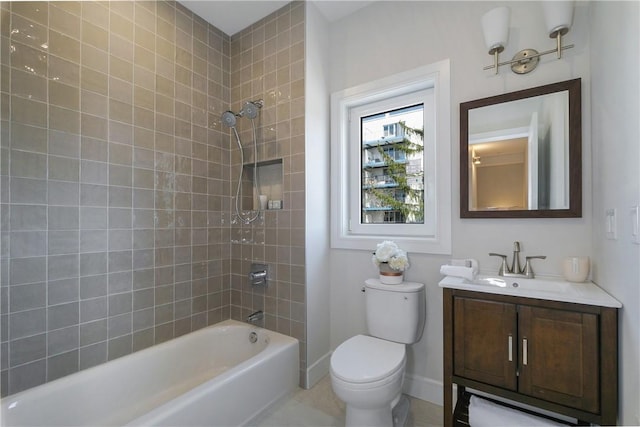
column 477, row 160
column 558, row 16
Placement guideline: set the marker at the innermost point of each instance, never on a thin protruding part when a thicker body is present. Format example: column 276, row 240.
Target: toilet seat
column 364, row 359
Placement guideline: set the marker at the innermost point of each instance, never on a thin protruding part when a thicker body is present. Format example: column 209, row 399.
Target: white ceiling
column 232, row 16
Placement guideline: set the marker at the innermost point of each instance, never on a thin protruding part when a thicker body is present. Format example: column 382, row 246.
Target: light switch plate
column 635, row 224
column 610, row 224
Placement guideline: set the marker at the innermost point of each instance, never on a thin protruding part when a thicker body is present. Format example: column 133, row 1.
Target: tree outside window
column 393, row 167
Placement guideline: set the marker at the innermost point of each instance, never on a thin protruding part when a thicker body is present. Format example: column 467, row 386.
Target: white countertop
column 541, row 288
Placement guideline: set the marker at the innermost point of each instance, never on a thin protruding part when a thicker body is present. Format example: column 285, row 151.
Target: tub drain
column 253, row 337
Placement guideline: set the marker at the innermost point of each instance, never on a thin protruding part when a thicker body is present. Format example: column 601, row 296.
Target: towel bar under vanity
column 461, row 412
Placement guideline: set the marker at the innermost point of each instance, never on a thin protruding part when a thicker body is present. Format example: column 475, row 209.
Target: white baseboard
column 318, row 370
column 423, row 388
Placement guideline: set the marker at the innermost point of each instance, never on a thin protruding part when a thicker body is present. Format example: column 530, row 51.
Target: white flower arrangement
column 388, row 252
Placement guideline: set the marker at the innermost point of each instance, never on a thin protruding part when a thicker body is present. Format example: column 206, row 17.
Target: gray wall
column 268, row 63
column 114, row 182
column 610, row 157
column 616, row 134
column 426, row 32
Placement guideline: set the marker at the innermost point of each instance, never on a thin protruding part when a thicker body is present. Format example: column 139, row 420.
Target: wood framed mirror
column 521, row 154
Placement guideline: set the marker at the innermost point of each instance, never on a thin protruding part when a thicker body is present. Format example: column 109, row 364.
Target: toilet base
column 379, row 417
column 400, row 412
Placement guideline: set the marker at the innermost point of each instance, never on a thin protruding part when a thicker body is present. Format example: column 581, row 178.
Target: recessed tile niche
column 270, row 177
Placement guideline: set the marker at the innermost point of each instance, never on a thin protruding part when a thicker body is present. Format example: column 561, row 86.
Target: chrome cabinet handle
column 524, row 352
column 510, row 348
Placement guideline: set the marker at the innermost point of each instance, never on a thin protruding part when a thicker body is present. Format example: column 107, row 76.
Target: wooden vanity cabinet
column 556, row 356
column 561, row 359
column 484, row 335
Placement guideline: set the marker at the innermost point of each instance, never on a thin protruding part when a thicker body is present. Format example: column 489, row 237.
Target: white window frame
column 433, row 237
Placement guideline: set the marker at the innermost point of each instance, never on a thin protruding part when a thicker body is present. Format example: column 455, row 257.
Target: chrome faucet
column 516, row 269
column 255, row 317
column 515, row 261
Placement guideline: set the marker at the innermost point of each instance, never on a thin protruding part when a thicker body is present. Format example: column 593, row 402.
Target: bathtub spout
column 255, row 317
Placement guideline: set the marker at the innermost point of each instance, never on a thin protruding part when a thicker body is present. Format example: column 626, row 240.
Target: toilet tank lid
column 364, row 359
column 402, row 287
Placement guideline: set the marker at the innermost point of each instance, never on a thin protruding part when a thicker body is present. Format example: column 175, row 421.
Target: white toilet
column 367, row 372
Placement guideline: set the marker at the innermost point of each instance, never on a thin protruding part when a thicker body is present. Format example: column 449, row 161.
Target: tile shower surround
column 115, row 201
column 267, row 62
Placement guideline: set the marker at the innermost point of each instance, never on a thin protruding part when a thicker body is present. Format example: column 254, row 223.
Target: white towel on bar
column 483, row 413
column 467, row 269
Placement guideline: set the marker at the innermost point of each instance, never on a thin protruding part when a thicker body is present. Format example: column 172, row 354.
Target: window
column 390, row 158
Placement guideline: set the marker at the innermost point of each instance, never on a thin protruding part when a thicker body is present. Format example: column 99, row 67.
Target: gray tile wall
column 267, row 62
column 115, row 182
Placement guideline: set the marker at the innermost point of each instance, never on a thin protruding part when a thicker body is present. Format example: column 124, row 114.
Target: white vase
column 388, row 276
column 576, row 268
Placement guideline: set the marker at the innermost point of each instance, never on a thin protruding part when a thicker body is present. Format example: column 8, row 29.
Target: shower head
column 228, row 118
column 251, row 109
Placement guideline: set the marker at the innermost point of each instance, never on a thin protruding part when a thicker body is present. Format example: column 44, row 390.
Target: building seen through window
column 392, row 178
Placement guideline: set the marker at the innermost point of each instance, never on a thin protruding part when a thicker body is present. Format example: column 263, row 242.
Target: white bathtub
column 213, row 377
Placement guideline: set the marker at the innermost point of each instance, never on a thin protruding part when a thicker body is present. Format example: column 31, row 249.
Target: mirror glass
column 520, row 154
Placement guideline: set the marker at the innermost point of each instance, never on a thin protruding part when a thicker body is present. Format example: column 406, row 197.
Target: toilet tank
column 395, row 312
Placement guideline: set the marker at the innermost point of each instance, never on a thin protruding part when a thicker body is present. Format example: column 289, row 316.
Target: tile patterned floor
column 319, row 407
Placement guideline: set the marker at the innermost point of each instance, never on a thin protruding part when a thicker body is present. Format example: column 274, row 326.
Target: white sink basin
column 540, row 288
column 521, row 284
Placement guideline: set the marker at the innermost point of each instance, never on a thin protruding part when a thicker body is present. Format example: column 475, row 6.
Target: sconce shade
column 495, row 25
column 558, row 16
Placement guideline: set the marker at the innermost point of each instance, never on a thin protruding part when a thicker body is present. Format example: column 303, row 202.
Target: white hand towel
column 461, row 262
column 467, row 269
column 452, row 270
column 483, row 413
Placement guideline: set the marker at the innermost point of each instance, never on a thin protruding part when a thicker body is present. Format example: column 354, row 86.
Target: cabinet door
column 484, row 341
column 559, row 356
